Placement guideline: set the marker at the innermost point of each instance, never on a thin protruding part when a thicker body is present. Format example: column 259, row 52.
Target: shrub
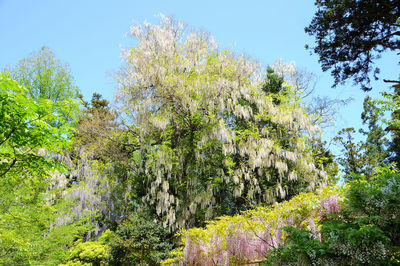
column 91, row 252
column 365, row 232
column 249, row 237
column 140, row 241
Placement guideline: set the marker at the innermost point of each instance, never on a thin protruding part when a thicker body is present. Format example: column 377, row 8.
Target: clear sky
column 88, row 33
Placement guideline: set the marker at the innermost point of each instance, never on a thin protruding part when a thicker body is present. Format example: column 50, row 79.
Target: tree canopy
column 350, row 35
column 45, row 76
column 217, row 132
column 30, row 203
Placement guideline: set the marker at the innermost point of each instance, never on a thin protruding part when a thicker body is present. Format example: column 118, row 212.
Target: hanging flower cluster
column 209, row 131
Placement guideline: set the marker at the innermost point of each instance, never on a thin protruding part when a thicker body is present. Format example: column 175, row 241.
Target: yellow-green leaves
column 248, row 237
column 32, row 132
column 27, row 125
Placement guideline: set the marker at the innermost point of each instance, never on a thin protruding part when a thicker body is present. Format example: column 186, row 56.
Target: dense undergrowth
column 357, row 223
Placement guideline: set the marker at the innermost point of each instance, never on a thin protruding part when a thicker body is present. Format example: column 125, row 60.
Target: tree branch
column 391, row 81
column 8, row 136
column 9, row 168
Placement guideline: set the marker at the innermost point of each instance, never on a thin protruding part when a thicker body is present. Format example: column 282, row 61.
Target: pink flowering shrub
column 330, row 205
column 249, row 237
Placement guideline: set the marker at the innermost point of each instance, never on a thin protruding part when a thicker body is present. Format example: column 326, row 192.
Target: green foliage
column 391, row 103
column 24, row 128
column 249, row 236
column 140, row 241
column 99, row 133
column 354, row 159
column 379, row 198
column 137, row 241
column 45, row 77
column 91, row 252
column 354, row 240
column 365, row 156
column 100, row 159
column 365, row 232
column 345, row 241
column 324, row 159
column 300, row 249
column 32, row 229
column 376, row 140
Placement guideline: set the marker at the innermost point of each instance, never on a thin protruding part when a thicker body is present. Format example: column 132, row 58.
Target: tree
column 94, row 253
column 140, row 241
column 391, row 103
column 24, row 130
column 98, row 130
column 364, row 157
column 44, row 76
column 215, row 136
column 322, row 109
column 31, row 214
column 99, row 161
column 350, row 35
column 375, row 135
column 354, row 158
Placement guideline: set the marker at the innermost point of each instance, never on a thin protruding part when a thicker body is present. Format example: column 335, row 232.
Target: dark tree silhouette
column 351, row 35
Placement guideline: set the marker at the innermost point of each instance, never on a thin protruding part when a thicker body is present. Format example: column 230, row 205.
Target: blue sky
column 87, row 34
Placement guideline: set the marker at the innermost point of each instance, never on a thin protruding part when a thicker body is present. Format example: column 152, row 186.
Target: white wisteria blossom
column 212, row 137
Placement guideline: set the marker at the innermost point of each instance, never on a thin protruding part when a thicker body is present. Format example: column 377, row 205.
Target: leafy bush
column 249, row 237
column 140, row 241
column 366, row 231
column 301, row 247
column 91, row 252
column 345, row 241
column 357, row 224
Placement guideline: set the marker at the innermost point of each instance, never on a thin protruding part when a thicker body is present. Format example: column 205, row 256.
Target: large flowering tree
column 217, row 132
